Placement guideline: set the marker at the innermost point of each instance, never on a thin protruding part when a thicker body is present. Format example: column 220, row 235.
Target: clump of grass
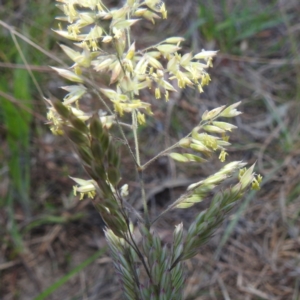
column 16, row 105
column 231, row 24
column 17, row 124
column 103, row 45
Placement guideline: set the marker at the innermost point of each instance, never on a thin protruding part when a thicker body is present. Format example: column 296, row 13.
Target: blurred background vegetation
column 52, row 246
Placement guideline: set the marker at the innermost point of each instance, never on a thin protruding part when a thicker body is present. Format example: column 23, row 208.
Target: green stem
column 145, row 204
column 144, row 166
column 128, row 33
column 136, row 142
column 124, row 125
column 172, row 206
column 37, row 86
column 139, row 169
column 137, row 251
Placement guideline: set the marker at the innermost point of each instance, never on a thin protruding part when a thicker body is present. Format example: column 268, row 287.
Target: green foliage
column 16, row 104
column 235, row 24
column 17, row 124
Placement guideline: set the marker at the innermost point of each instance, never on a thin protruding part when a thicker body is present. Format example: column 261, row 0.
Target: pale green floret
column 107, row 39
column 84, row 187
column 141, row 118
column 173, row 65
column 84, row 20
column 124, row 24
column 131, row 52
column 153, row 4
column 124, row 190
column 55, row 121
column 247, row 178
column 70, row 52
column 75, row 93
column 163, row 11
column 83, row 116
column 189, row 202
column 215, row 179
column 224, row 125
column 140, row 12
column 107, row 121
column 213, row 129
column 209, row 115
column 147, row 14
column 194, row 185
column 223, row 143
column 259, row 178
column 157, row 93
column 154, row 62
column 70, row 11
column 116, row 69
column 120, row 14
column 131, row 2
column 186, row 157
column 205, row 79
column 178, row 157
column 232, row 166
column 174, row 40
column 186, row 59
column 182, row 79
column 219, row 176
column 113, row 95
column 104, row 64
column 198, row 146
column 231, row 111
column 205, row 54
column 166, row 85
column 167, row 96
column 141, row 66
column 167, row 49
column 194, row 158
column 68, row 75
column 155, row 54
column 222, row 156
column 242, row 172
column 185, row 143
column 209, row 141
column 178, row 234
column 256, row 182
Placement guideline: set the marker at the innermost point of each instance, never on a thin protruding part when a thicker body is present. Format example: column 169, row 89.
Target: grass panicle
column 94, row 27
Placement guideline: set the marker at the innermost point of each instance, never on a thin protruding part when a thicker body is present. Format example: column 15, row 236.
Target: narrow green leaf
column 68, row 276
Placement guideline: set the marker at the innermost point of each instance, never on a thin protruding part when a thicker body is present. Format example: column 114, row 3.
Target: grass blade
column 47, row 292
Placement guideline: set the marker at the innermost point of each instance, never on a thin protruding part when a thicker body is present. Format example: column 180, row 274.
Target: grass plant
column 18, row 88
column 17, row 123
column 231, row 25
column 103, row 45
column 261, row 67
